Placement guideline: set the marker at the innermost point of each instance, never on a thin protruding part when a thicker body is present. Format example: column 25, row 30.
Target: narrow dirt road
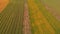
column 26, row 22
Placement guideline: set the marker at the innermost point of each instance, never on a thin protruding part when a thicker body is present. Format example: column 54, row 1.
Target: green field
column 12, row 18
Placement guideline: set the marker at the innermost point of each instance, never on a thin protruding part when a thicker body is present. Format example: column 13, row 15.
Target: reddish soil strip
column 26, row 23
column 3, row 4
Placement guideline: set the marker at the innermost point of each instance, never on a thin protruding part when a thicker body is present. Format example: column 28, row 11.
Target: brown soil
column 26, row 23
column 3, row 4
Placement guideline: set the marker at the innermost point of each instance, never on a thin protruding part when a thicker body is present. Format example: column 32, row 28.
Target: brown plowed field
column 3, row 4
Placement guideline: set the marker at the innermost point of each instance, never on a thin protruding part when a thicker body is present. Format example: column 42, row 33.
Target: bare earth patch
column 3, row 4
column 26, row 23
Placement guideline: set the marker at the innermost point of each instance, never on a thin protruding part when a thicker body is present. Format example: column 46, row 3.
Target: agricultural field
column 29, row 17
column 41, row 19
column 11, row 17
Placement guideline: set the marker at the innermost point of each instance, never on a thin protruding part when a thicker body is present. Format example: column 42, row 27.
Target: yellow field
column 40, row 25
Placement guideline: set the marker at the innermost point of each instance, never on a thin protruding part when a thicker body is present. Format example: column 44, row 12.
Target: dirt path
column 26, row 23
